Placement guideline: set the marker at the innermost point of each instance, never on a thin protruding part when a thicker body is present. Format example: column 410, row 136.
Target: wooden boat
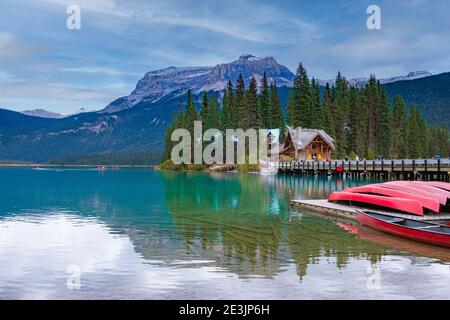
column 384, row 239
column 407, row 228
column 427, row 202
column 414, row 190
column 423, row 187
column 404, row 205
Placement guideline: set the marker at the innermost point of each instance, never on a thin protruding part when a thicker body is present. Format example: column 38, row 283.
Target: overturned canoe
column 407, row 228
column 404, row 205
column 427, row 202
column 442, row 198
column 436, row 184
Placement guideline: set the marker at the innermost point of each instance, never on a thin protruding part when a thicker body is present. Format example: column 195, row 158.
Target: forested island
column 363, row 121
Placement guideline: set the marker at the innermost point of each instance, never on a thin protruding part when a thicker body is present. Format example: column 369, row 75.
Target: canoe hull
column 410, row 206
column 433, row 238
column 426, row 202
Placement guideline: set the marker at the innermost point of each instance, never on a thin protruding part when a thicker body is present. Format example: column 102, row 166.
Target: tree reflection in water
column 242, row 221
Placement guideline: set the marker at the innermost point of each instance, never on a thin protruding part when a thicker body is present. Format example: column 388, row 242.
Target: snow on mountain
column 361, row 82
column 42, row 114
column 159, row 83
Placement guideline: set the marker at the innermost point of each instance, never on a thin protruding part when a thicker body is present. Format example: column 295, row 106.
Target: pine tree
column 277, row 117
column 358, row 121
column 251, row 102
column 178, row 122
column 304, row 104
column 294, row 99
column 416, row 133
column 225, row 111
column 214, row 113
column 204, row 112
column 398, row 127
column 327, row 106
column 264, row 103
column 384, row 125
column 317, row 116
column 190, row 118
column 341, row 114
column 239, row 104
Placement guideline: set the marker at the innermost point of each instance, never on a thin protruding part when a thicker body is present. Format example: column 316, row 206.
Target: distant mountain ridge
column 137, row 123
column 362, row 81
column 176, row 80
column 43, row 114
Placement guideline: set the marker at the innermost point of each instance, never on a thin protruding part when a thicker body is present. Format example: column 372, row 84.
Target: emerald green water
column 138, row 233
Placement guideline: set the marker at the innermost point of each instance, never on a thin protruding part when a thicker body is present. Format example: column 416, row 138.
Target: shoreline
column 31, row 165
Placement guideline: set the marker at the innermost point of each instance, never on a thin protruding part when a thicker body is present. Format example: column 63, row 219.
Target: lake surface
column 138, row 233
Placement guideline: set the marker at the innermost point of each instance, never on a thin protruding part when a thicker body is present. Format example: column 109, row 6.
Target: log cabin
column 308, row 144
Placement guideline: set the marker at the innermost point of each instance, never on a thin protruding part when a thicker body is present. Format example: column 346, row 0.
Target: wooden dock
column 407, row 169
column 337, row 210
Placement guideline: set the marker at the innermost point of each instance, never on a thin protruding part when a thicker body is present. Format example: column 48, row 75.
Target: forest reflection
column 243, row 222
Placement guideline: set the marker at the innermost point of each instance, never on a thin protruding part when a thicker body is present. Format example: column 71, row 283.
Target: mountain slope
column 430, row 94
column 137, row 123
column 362, row 81
column 174, row 80
column 42, row 114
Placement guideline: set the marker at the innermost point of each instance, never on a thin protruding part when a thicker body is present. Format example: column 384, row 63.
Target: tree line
column 363, row 121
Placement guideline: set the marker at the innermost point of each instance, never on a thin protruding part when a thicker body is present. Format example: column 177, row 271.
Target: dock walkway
column 406, row 169
column 349, row 212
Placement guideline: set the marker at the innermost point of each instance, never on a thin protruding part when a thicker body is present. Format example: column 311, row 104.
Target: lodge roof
column 302, row 137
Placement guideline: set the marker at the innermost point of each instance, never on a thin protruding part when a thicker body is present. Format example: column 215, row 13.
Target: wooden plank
column 349, row 212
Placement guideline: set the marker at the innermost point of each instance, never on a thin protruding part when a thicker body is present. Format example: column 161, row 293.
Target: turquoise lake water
column 138, row 233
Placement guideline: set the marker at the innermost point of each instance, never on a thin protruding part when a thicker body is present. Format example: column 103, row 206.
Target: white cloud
column 100, row 71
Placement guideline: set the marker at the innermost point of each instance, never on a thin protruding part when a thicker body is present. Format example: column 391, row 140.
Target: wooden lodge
column 308, row 144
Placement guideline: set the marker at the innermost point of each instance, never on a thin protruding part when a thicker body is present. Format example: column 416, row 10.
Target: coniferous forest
column 363, row 121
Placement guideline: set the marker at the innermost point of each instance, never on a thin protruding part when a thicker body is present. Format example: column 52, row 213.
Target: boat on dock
column 427, row 202
column 410, row 206
column 421, row 231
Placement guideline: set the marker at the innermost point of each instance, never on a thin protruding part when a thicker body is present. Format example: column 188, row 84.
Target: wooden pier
column 338, row 210
column 421, row 169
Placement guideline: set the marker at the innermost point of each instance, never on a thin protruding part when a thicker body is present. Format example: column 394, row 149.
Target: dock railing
column 411, row 169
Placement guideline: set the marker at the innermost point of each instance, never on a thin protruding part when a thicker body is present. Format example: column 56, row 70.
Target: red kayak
column 442, row 198
column 426, row 202
column 404, row 205
column 407, row 228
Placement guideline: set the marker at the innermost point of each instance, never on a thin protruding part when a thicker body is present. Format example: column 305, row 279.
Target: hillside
column 430, row 94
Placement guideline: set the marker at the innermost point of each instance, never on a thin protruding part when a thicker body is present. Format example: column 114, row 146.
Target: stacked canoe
column 411, row 197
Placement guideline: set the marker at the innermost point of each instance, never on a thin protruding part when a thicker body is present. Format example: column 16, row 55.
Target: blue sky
column 45, row 65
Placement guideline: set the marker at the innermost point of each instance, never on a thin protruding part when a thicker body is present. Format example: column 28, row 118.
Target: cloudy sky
column 45, row 65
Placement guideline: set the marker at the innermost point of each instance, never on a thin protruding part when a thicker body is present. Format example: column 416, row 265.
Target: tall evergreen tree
column 239, row 104
column 416, row 133
column 294, row 99
column 277, row 117
column 204, row 111
column 398, row 127
column 264, row 103
column 327, row 106
column 384, row 125
column 304, row 104
column 341, row 115
column 214, row 113
column 253, row 115
column 317, row 116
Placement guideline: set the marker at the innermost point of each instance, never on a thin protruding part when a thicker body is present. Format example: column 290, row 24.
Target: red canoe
column 405, row 205
column 426, row 202
column 442, row 198
column 407, row 228
column 437, row 184
column 422, row 187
